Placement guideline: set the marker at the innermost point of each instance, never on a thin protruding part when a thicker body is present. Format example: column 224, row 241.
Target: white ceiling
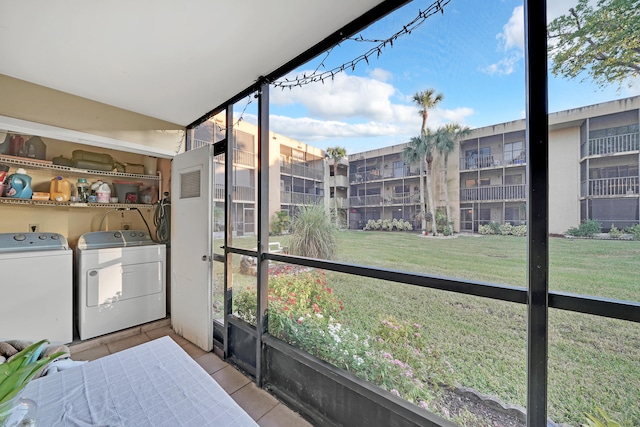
column 168, row 59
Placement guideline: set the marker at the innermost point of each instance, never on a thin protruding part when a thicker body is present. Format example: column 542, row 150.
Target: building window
column 513, row 179
column 514, row 153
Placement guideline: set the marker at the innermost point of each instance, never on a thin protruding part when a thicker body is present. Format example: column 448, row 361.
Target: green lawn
column 592, row 361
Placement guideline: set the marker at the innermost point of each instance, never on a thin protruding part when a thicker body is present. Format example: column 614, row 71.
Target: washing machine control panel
column 18, row 242
column 114, row 239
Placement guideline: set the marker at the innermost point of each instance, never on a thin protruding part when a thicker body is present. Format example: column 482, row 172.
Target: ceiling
column 171, row 60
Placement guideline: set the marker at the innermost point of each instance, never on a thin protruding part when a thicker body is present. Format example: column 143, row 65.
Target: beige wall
column 38, row 104
column 33, row 103
column 564, row 179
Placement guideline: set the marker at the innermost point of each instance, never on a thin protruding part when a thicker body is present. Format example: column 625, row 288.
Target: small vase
column 18, row 412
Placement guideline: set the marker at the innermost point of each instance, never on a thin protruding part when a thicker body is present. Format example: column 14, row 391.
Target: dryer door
column 191, row 246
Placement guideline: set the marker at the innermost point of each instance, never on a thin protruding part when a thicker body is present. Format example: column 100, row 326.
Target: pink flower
column 417, row 335
column 395, row 392
column 424, row 405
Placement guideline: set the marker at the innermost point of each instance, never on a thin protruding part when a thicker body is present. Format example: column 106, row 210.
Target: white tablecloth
column 153, row 384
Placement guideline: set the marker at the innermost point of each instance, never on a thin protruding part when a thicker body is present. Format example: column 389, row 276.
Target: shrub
column 399, row 357
column 614, row 232
column 447, row 230
column 519, row 230
column 588, row 228
column 491, row 228
column 441, row 219
column 634, row 231
column 314, row 235
column 281, row 222
column 506, row 229
column 386, row 225
column 485, row 229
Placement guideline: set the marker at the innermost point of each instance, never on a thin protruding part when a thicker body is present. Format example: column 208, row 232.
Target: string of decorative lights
column 316, row 76
column 250, row 99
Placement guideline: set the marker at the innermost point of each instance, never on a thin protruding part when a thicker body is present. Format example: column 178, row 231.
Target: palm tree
column 426, row 100
column 447, row 137
column 421, row 149
column 337, row 154
column 412, row 154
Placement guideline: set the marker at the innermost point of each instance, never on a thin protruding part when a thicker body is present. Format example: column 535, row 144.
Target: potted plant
column 16, row 373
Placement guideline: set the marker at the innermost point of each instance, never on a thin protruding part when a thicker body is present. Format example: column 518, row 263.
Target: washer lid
column 20, row 242
column 114, row 239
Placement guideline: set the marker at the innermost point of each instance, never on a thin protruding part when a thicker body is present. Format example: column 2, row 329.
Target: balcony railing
column 372, row 200
column 293, row 198
column 302, row 171
column 614, row 144
column 239, row 193
column 240, row 157
column 614, row 186
column 340, row 181
column 372, row 175
column 493, row 192
column 491, row 161
column 245, row 158
column 342, row 203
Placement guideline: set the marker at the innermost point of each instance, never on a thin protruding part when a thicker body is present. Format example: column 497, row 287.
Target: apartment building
column 594, row 154
column 593, row 160
column 300, row 169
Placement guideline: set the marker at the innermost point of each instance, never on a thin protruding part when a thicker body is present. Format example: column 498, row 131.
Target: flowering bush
column 388, row 225
column 505, row 229
column 293, row 295
column 396, row 356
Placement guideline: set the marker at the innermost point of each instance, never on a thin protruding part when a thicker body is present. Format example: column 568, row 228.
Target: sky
column 472, row 54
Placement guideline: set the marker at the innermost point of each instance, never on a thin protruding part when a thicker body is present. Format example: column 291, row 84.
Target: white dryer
column 120, row 281
column 36, row 287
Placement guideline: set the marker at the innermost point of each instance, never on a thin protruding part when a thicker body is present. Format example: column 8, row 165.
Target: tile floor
column 265, row 409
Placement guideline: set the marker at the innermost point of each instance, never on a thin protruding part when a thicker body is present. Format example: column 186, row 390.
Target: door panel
column 191, row 240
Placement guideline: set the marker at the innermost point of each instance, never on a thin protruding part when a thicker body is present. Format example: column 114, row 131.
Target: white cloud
column 512, row 36
column 345, row 96
column 510, row 41
column 380, row 74
column 354, row 107
column 505, row 66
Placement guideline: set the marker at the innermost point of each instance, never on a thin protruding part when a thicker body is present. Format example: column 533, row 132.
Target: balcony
column 244, row 158
column 613, row 144
column 339, row 181
column 239, row 193
column 293, row 198
column 342, row 202
column 492, row 161
column 372, row 175
column 493, row 193
column 613, row 186
column 372, row 200
column 301, row 170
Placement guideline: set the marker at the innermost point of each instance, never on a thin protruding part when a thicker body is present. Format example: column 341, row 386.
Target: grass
column 593, row 361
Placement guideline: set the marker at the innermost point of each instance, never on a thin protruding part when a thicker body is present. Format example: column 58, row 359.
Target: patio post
column 263, row 224
column 537, row 136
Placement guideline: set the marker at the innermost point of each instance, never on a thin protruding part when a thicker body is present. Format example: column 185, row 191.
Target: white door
column 191, row 246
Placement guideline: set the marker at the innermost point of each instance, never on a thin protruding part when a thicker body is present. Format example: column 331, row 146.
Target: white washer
column 120, row 281
column 36, row 287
